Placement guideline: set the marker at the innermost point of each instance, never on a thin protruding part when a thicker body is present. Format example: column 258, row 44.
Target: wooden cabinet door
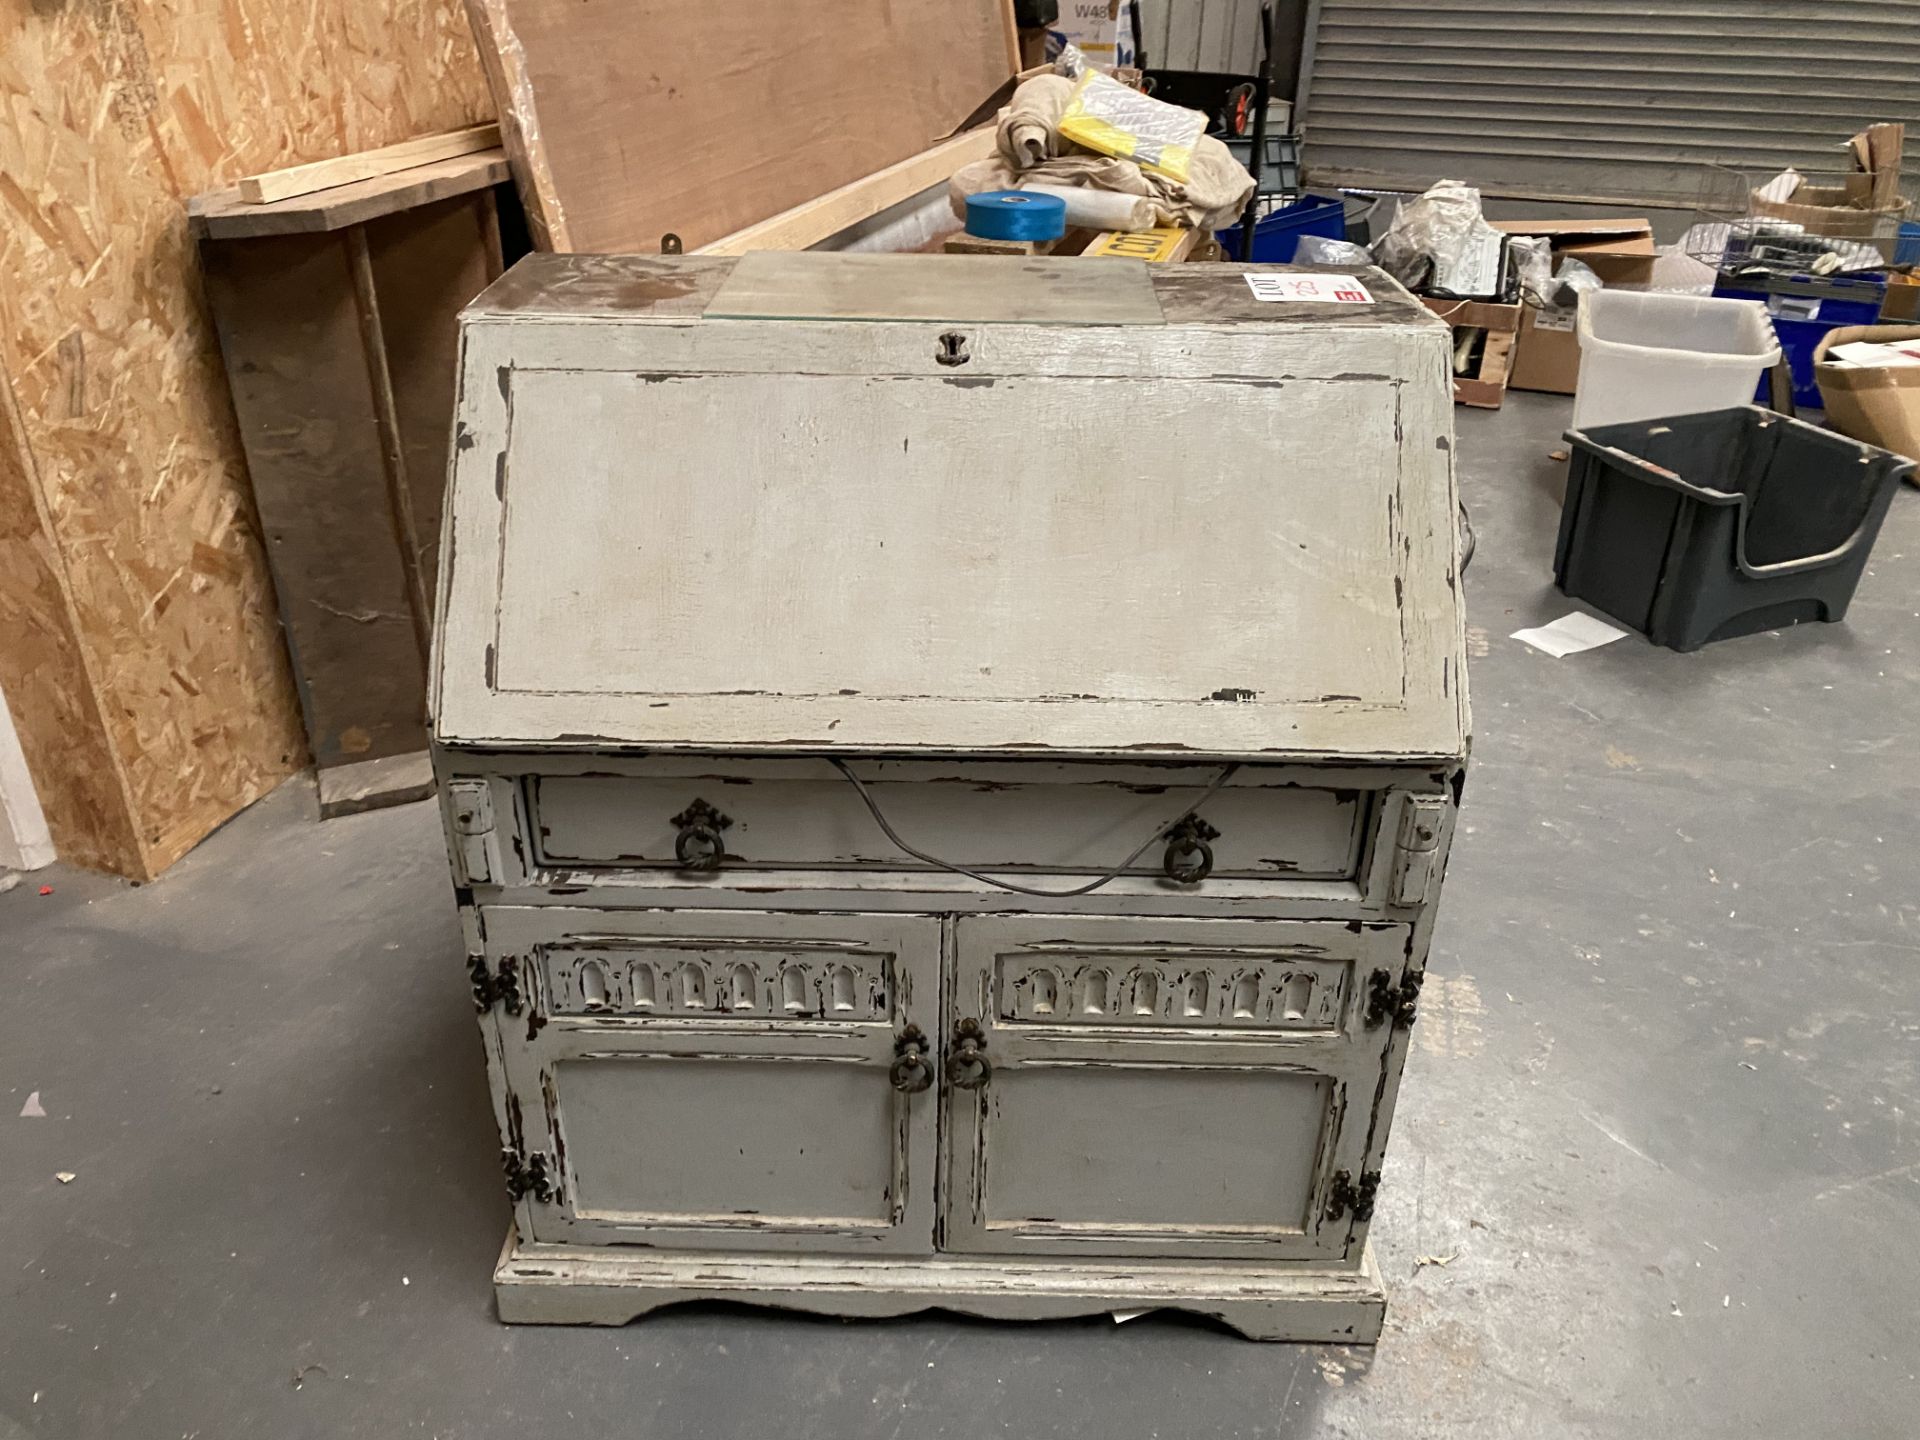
column 717, row 1080
column 1177, row 1088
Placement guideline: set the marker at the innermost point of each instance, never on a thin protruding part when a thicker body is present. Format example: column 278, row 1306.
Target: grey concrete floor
column 1656, row 1122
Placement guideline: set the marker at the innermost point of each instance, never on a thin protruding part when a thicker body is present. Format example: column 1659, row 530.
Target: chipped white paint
column 607, row 1285
column 1037, row 600
column 1451, row 1012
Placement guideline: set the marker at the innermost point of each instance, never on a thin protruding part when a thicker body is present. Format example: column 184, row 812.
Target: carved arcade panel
column 686, row 982
column 1281, row 992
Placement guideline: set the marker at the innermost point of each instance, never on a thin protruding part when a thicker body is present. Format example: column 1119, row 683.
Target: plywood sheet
column 44, row 673
column 116, row 110
column 626, row 122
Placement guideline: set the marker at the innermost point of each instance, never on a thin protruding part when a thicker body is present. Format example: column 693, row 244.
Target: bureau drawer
column 1064, row 819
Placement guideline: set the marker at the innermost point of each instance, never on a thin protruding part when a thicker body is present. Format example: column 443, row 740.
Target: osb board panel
column 115, row 110
column 43, row 673
column 628, row 121
column 305, row 400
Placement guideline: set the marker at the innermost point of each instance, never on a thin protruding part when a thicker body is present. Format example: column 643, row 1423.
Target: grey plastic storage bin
column 1702, row 527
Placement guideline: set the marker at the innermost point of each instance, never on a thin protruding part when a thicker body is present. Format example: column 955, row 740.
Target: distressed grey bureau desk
column 948, row 764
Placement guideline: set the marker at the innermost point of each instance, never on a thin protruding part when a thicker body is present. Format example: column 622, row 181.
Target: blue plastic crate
column 1906, row 250
column 1277, row 236
column 1804, row 309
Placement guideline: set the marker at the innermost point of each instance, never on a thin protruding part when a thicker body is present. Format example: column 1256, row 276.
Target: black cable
column 1108, row 878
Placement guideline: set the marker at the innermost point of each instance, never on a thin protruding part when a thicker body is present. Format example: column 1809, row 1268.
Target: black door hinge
column 491, row 989
column 1345, row 1195
column 530, row 1176
column 1388, row 1001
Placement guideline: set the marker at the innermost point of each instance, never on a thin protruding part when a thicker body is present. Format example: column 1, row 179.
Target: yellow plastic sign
column 1161, row 244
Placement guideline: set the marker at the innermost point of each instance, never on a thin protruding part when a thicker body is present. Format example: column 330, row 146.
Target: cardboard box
column 1487, row 388
column 1879, row 404
column 1902, row 305
column 1620, row 251
column 1102, row 29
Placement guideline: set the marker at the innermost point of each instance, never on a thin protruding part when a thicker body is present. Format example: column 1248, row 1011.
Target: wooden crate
column 1486, row 389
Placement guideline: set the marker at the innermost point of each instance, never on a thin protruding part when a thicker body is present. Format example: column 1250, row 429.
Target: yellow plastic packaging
column 1104, row 115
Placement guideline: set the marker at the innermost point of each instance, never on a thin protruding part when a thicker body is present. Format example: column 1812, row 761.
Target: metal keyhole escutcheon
column 1189, row 858
column 967, row 1065
column 952, row 349
column 911, row 1072
column 698, row 846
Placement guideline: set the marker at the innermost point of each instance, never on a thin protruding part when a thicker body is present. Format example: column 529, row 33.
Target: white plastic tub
column 1645, row 355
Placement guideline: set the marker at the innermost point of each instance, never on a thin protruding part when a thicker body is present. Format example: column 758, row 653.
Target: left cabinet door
column 715, row 1079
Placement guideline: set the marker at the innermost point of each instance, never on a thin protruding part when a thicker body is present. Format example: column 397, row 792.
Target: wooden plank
column 304, row 397
column 626, row 123
column 965, row 244
column 427, row 264
column 375, row 784
column 223, row 215
column 298, row 180
column 829, row 214
column 386, row 417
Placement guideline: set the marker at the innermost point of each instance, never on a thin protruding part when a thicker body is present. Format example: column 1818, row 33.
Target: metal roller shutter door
column 1597, row 98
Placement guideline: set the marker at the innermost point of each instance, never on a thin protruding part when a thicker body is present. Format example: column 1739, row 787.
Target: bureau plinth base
column 610, row 1285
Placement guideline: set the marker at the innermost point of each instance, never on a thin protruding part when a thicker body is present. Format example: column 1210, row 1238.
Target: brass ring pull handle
column 698, row 846
column 911, row 1072
column 1189, row 858
column 967, row 1065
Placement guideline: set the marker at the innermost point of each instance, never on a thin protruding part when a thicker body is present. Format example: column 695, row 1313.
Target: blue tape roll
column 1016, row 215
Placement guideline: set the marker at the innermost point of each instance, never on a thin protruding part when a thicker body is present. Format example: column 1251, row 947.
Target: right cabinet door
column 1174, row 1088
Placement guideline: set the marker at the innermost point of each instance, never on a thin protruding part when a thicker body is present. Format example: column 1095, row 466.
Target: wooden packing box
column 1486, row 388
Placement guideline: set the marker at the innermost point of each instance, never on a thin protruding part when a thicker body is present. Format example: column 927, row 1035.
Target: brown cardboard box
column 1879, row 404
column 1902, row 305
column 1620, row 251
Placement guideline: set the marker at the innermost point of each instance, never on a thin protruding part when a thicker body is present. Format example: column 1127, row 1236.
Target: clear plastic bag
column 1576, row 278
column 1105, row 116
column 1319, row 250
column 1533, row 263
column 1440, row 240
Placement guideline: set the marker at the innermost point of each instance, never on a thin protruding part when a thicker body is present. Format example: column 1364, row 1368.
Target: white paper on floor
column 33, row 1109
column 1570, row 634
